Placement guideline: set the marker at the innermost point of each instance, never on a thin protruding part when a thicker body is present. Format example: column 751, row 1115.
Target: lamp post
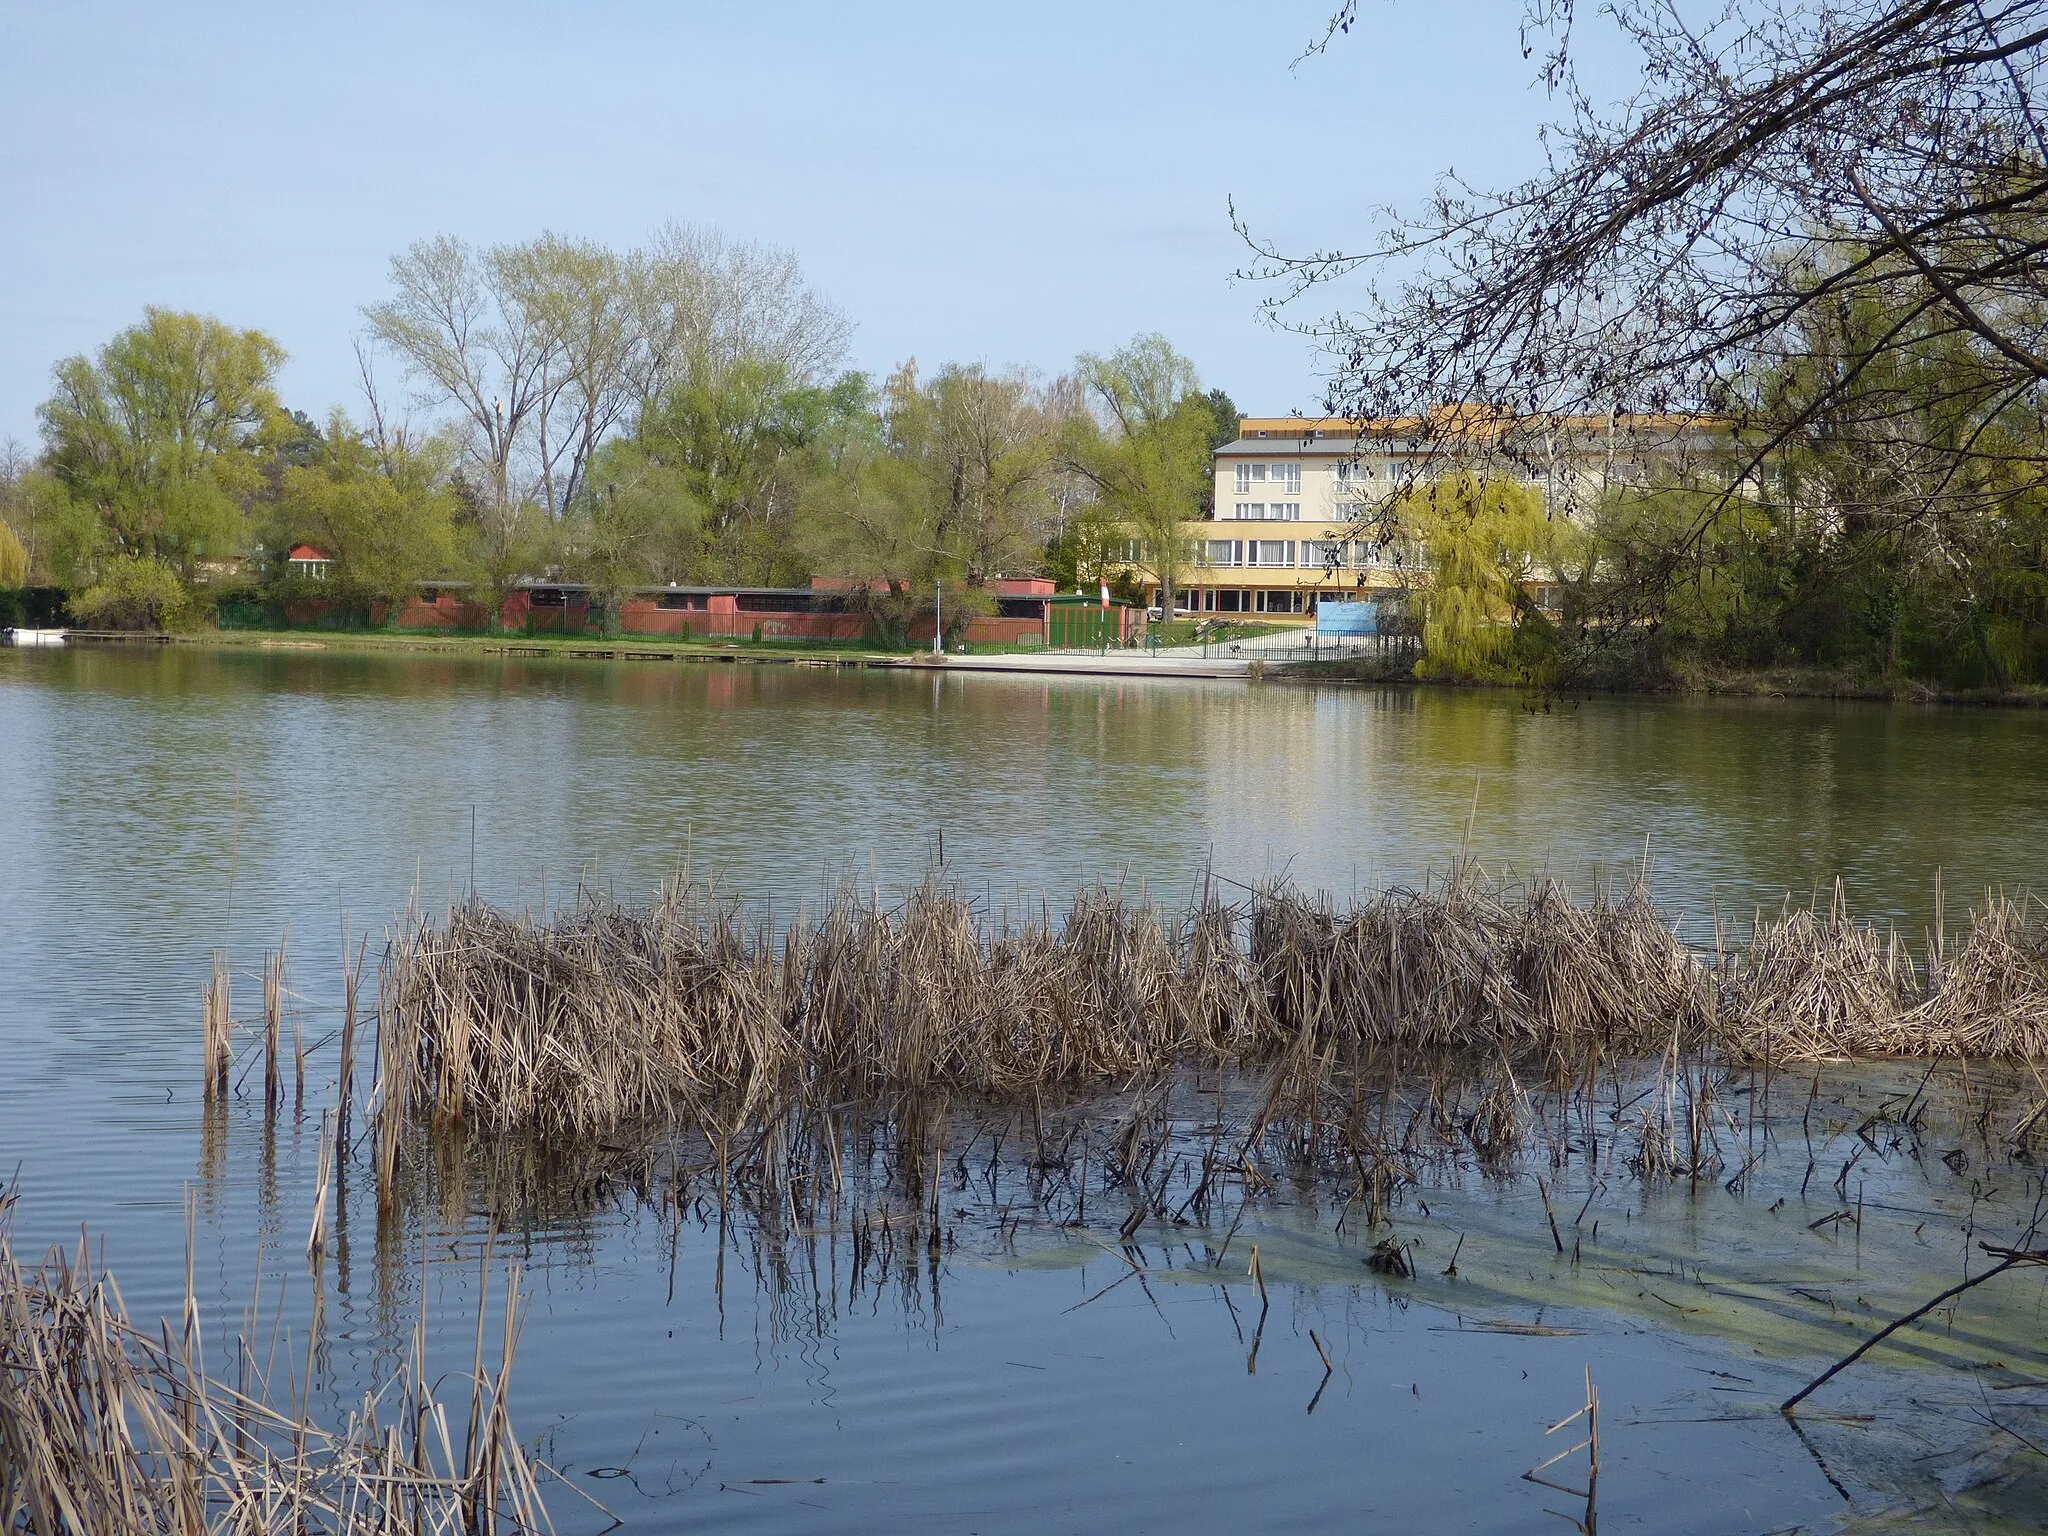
column 939, row 619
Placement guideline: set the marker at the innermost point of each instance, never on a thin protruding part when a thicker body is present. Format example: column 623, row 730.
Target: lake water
column 158, row 805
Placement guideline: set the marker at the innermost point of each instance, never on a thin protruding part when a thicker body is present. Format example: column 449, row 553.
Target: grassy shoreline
column 1695, row 682
column 427, row 642
column 1763, row 682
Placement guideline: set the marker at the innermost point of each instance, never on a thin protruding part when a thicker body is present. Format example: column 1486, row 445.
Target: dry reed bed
column 609, row 1013
column 106, row 1427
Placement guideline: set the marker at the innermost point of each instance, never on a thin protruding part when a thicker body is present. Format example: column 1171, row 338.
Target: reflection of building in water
column 1296, row 501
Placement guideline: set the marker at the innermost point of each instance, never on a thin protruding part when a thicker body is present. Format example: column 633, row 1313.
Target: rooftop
column 1340, row 433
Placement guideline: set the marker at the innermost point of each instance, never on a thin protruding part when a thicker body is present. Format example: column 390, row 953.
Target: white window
column 1249, row 475
column 1289, row 478
column 1224, row 551
column 1284, row 511
column 1271, row 551
column 1327, row 553
column 1251, row 511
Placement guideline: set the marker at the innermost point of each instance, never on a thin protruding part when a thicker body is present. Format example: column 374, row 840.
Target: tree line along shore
column 679, row 414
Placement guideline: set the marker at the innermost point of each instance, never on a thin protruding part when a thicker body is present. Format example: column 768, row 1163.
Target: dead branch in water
column 2008, row 1258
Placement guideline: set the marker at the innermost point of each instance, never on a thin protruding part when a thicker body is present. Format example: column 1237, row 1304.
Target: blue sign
column 1353, row 618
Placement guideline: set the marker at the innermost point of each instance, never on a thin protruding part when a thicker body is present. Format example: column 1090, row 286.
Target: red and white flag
column 1105, row 594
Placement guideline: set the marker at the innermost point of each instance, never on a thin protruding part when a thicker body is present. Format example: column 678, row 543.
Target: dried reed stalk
column 1815, row 985
column 608, row 1013
column 273, row 1023
column 218, row 1027
column 106, row 1427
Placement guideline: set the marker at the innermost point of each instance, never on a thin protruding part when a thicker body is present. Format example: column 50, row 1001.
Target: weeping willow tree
column 1486, row 543
column 13, row 559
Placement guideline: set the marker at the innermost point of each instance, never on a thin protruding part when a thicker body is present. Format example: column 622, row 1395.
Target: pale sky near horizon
column 1009, row 185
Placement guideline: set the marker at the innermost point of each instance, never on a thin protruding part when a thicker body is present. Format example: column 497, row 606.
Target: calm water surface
column 157, row 806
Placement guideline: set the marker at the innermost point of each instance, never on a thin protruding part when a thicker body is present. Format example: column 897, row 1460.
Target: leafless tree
column 583, row 298
column 392, row 438
column 709, row 301
column 545, row 348
column 1817, row 221
column 460, row 319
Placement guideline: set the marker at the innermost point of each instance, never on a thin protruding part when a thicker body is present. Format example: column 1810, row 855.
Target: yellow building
column 1292, row 502
column 1295, row 497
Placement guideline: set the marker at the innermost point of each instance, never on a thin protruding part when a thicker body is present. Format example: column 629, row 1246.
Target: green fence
column 260, row 613
column 1081, row 623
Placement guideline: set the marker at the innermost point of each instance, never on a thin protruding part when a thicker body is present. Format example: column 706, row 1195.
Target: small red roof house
column 308, row 561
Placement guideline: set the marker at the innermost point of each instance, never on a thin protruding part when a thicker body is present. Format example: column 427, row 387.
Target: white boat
column 36, row 636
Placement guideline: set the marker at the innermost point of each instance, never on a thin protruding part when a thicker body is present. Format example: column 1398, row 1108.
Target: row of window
column 1210, row 600
column 1352, row 476
column 1329, row 554
column 1285, row 478
column 1266, row 511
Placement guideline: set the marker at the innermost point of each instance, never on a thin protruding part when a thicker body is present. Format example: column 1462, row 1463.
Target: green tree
column 1149, row 452
column 869, row 523
column 13, row 559
column 636, row 523
column 1485, row 542
column 57, row 536
column 139, row 592
column 986, row 446
column 1700, row 574
column 161, row 433
column 389, row 522
column 1228, row 418
column 887, row 518
column 1090, row 551
column 744, row 441
column 504, row 546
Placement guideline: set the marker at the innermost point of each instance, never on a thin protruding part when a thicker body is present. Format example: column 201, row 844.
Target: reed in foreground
column 609, row 1013
column 108, row 1429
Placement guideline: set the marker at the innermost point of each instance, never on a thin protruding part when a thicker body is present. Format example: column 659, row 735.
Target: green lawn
column 1213, row 631
column 543, row 644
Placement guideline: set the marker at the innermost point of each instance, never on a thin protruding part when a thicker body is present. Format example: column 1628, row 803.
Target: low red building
column 825, row 610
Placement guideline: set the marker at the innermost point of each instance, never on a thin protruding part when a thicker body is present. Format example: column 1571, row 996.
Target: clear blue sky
column 1004, row 184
